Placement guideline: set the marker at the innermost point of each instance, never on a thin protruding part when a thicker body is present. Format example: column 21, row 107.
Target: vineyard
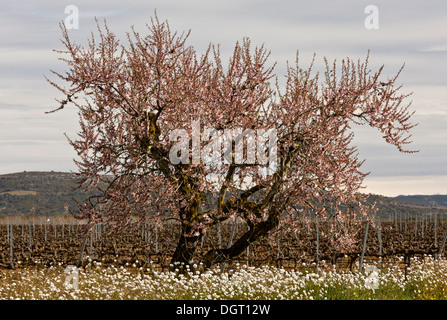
column 59, row 241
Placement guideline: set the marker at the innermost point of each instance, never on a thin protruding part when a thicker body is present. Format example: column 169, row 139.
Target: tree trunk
column 186, row 247
column 189, row 239
column 253, row 234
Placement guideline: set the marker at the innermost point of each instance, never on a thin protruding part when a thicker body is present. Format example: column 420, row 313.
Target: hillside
column 46, row 193
column 40, row 193
column 388, row 206
column 428, row 200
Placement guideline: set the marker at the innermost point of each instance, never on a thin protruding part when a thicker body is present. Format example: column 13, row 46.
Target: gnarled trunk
column 186, row 246
column 240, row 245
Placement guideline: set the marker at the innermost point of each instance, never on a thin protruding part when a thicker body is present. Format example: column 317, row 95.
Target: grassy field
column 425, row 280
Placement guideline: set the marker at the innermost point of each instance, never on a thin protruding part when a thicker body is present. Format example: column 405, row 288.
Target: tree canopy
column 174, row 134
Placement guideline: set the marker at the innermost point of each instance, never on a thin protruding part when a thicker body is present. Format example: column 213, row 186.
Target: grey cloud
column 435, row 48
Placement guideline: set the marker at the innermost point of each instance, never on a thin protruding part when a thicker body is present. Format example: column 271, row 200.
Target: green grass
column 425, row 280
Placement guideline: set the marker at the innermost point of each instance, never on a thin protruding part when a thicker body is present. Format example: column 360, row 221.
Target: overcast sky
column 410, row 32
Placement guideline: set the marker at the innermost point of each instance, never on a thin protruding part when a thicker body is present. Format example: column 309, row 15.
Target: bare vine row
column 52, row 241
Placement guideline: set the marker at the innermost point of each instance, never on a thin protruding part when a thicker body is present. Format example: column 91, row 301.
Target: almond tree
column 132, row 98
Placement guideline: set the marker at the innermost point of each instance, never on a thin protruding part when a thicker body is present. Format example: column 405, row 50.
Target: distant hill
column 428, row 200
column 40, row 193
column 387, row 206
column 46, row 193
